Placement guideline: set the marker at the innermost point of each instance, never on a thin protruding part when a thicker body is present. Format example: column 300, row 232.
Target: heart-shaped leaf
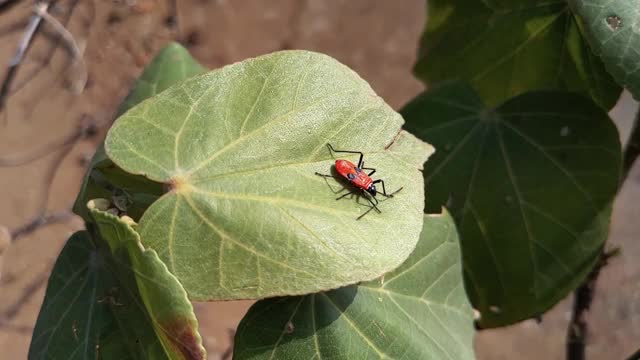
column 530, row 184
column 505, row 48
column 418, row 311
column 172, row 64
column 245, row 216
column 614, row 32
column 115, row 301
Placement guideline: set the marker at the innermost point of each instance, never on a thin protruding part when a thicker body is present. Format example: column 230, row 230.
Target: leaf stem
column 578, row 328
column 635, row 355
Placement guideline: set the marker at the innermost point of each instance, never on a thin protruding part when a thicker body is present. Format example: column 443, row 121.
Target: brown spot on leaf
column 288, row 328
column 179, row 184
column 183, row 336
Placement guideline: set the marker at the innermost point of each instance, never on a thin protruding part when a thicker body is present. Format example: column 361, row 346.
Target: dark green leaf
column 245, row 216
column 530, row 185
column 115, row 301
column 172, row 64
column 614, row 31
column 418, row 311
column 505, row 48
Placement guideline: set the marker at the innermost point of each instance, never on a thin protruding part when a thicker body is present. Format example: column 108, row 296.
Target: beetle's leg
column 384, row 191
column 327, row 176
column 373, row 205
column 371, row 200
column 347, row 194
column 365, row 213
column 333, row 177
column 348, row 151
column 366, row 168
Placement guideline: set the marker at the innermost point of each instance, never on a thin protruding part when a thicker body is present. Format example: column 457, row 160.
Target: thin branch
column 228, row 353
column 76, row 52
column 173, row 19
column 8, row 4
column 21, row 329
column 87, row 128
column 635, row 355
column 12, row 310
column 24, row 158
column 578, row 329
column 23, row 46
column 49, row 56
column 40, row 221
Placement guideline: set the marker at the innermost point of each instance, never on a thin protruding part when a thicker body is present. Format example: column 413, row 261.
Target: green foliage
column 172, row 64
column 245, row 215
column 90, row 287
column 614, row 31
column 109, row 298
column 418, row 311
column 530, row 184
column 507, row 47
column 219, row 171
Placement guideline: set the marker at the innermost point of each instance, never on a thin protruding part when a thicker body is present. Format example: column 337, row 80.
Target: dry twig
column 36, row 283
column 76, row 52
column 578, row 330
column 23, row 46
column 7, row 88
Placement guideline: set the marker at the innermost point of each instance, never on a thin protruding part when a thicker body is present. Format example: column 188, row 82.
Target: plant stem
column 577, row 331
column 635, row 355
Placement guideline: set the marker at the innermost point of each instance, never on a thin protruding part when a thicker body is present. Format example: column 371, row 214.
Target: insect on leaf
column 237, row 148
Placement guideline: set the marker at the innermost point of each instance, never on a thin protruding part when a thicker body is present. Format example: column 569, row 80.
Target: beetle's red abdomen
column 345, row 167
column 356, row 176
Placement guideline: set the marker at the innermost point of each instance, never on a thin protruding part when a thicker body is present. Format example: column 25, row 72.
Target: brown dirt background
column 376, row 38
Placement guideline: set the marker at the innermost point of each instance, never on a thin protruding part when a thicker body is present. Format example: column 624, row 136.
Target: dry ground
column 376, row 38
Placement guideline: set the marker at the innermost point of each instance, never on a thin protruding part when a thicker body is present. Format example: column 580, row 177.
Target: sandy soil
column 376, row 38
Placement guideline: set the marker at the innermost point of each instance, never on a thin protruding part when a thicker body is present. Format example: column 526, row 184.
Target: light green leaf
column 245, row 215
column 530, row 184
column 419, row 311
column 171, row 65
column 115, row 301
column 505, row 48
column 614, row 31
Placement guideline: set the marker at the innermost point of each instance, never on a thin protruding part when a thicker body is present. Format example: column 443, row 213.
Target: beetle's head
column 372, row 190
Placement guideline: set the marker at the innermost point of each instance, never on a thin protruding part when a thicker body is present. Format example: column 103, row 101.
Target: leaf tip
column 416, row 151
column 182, row 336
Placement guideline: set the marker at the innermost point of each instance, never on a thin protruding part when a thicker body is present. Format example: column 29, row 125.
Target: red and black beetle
column 361, row 180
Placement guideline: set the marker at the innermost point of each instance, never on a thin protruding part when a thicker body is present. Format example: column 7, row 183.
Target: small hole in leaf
column 564, row 131
column 614, row 22
column 494, row 309
column 289, row 327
